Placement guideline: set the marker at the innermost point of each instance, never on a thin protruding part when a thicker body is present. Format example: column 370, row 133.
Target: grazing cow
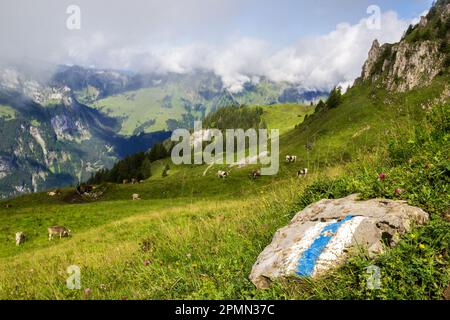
column 57, row 230
column 20, row 238
column 125, row 181
column 256, row 174
column 222, row 174
column 84, row 188
column 51, row 193
column 302, row 173
column 134, row 181
column 291, row 159
column 136, row 197
column 141, row 181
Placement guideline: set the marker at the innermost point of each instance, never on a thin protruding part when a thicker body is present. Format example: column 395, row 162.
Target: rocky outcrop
column 374, row 55
column 5, row 167
column 403, row 66
column 70, row 129
column 324, row 234
column 417, row 59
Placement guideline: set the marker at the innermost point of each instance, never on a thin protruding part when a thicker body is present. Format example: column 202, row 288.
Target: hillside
column 194, row 236
column 177, row 101
column 82, row 120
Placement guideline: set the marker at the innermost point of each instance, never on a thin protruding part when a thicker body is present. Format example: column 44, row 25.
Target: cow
column 222, row 174
column 134, row 181
column 136, row 197
column 302, row 173
column 57, row 230
column 125, row 181
column 256, row 174
column 84, row 188
column 291, row 159
column 56, row 192
column 20, row 238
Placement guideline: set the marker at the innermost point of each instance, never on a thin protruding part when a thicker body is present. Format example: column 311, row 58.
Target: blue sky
column 318, row 43
column 284, row 21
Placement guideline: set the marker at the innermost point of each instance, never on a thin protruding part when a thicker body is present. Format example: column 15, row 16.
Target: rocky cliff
column 422, row 54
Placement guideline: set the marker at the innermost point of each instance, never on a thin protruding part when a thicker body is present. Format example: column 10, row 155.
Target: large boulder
column 325, row 233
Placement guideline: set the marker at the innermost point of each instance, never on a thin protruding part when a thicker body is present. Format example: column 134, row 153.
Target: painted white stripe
column 297, row 250
column 337, row 244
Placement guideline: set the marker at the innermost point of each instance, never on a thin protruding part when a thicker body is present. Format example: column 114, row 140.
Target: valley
column 195, row 231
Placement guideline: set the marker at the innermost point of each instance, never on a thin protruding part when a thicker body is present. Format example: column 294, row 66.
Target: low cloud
column 314, row 62
column 184, row 45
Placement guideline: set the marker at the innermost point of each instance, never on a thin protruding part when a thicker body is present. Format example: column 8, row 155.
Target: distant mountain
column 60, row 130
column 50, row 139
column 150, row 102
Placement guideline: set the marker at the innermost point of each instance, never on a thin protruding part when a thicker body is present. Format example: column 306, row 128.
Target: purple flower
column 398, row 191
column 382, row 176
column 87, row 291
column 146, row 262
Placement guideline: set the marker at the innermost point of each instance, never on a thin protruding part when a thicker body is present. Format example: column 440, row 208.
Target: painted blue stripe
column 307, row 261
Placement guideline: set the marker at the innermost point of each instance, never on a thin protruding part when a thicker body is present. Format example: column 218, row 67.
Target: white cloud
column 316, row 62
column 174, row 36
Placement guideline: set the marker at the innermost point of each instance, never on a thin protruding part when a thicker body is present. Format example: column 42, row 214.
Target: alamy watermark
column 233, row 151
column 73, row 22
column 374, row 20
column 374, row 279
column 73, row 282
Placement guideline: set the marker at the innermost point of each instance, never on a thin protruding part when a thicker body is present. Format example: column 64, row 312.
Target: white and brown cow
column 59, row 231
column 291, row 159
column 20, row 238
column 222, row 174
column 256, row 174
column 136, row 196
column 302, row 173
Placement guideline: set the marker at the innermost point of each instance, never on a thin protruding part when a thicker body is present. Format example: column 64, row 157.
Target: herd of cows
column 52, row 231
column 257, row 173
column 84, row 189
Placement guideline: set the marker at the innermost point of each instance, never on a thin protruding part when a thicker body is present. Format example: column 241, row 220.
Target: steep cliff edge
column 422, row 54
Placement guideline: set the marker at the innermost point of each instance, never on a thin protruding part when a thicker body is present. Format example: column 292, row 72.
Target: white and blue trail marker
column 323, row 244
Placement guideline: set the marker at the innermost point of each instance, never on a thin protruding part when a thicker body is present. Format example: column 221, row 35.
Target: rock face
column 403, row 66
column 374, row 54
column 324, row 234
column 417, row 59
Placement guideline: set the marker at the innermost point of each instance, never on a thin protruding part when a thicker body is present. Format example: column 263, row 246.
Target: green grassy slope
column 285, row 117
column 7, row 112
column 201, row 235
column 135, row 106
column 194, row 96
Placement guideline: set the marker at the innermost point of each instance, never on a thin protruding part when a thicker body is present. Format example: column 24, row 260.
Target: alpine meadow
column 88, row 182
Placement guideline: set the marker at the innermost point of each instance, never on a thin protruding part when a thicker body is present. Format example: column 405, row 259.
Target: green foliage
column 7, row 113
column 321, row 106
column 146, row 168
column 137, row 166
column 213, row 229
column 165, row 171
column 235, row 117
column 335, row 98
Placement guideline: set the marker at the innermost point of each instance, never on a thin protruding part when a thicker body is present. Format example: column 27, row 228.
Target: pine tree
column 146, row 168
column 334, row 100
